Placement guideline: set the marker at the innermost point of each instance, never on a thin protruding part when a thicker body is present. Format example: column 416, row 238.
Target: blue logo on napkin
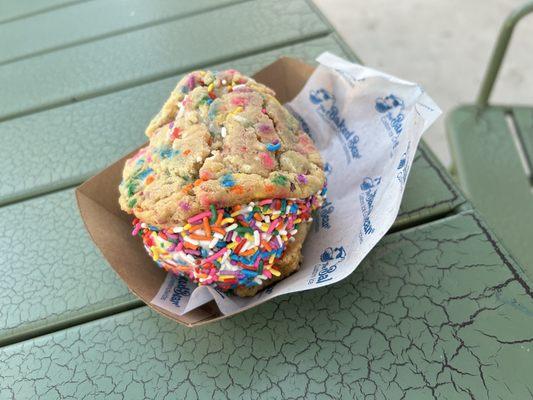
column 333, row 253
column 181, row 289
column 402, row 170
column 330, row 258
column 329, row 112
column 326, row 209
column 328, row 169
column 369, row 188
column 392, row 107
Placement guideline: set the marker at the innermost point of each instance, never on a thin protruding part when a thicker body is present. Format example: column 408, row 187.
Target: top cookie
column 223, row 139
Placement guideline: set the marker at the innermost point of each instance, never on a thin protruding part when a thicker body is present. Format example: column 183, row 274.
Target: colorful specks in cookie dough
column 301, row 179
column 265, row 128
column 275, row 146
column 230, row 247
column 168, row 153
column 134, row 183
column 174, row 133
column 239, row 101
column 227, row 181
column 268, row 161
column 280, row 180
column 184, row 205
column 191, row 82
column 237, row 189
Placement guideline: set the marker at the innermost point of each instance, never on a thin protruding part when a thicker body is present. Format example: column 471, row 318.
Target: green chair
column 492, row 148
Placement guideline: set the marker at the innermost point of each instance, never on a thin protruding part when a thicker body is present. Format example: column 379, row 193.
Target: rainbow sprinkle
column 232, row 246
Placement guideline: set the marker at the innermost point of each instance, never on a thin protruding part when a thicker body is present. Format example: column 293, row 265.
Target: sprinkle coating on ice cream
column 239, row 249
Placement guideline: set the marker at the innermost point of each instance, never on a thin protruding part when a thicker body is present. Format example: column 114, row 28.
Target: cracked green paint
column 437, row 311
column 51, row 271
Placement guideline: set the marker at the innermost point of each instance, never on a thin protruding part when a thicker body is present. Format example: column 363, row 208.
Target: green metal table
column 439, row 309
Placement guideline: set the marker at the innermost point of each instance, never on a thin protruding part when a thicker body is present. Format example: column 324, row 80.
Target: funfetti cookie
column 225, row 189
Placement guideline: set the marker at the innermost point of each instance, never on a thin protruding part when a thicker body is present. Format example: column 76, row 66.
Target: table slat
column 11, row 9
column 437, row 311
column 153, row 53
column 88, row 21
